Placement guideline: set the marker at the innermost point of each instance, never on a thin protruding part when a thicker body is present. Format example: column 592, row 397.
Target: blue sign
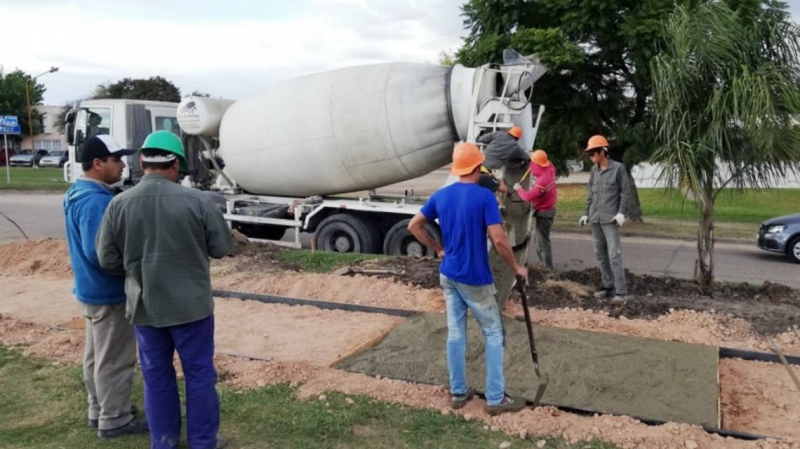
column 10, row 121
column 10, row 129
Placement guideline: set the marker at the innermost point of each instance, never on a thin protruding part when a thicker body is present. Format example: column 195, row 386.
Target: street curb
column 663, row 236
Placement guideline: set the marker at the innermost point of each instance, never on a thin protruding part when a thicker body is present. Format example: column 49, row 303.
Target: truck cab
column 127, row 121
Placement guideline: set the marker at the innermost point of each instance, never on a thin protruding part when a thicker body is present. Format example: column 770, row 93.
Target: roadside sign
column 8, row 125
column 15, row 129
column 10, row 121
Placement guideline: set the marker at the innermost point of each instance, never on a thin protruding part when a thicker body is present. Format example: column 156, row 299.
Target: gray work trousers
column 544, row 223
column 608, row 251
column 108, row 363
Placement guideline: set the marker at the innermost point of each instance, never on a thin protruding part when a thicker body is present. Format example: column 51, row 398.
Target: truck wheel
column 342, row 233
column 400, row 242
column 793, row 250
column 266, row 232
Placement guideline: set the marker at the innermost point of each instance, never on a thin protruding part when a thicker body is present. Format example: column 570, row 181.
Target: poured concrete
column 650, row 379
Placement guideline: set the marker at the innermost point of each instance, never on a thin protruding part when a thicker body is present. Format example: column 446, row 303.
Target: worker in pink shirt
column 543, row 196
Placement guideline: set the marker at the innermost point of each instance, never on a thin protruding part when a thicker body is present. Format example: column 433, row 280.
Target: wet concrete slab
column 644, row 378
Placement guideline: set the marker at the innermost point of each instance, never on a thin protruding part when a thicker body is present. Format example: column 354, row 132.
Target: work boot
column 222, row 442
column 458, row 401
column 94, row 423
column 507, row 405
column 618, row 300
column 604, row 293
column 136, row 426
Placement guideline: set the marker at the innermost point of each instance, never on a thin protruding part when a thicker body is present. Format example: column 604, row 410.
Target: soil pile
column 48, row 257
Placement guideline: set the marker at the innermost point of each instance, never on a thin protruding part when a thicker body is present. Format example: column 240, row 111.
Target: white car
column 54, row 159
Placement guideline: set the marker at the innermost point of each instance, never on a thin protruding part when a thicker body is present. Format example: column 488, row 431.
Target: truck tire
column 343, row 233
column 793, row 250
column 400, row 242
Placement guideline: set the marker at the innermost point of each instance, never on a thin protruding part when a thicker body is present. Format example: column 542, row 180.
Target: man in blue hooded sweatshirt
column 110, row 353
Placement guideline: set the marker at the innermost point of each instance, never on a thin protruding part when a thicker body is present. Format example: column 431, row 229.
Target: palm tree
column 726, row 100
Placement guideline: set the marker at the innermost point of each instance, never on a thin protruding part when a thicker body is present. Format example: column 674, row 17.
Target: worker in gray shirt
column 160, row 235
column 503, row 147
column 608, row 201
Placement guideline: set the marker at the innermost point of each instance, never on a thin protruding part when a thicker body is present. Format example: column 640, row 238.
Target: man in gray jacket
column 160, row 235
column 608, row 200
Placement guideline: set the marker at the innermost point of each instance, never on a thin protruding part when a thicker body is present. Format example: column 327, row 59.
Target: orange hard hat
column 515, row 131
column 466, row 158
column 597, row 141
column 539, row 157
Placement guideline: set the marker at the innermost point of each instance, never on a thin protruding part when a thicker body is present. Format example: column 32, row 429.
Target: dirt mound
column 47, row 257
column 771, row 308
column 418, row 271
column 258, row 257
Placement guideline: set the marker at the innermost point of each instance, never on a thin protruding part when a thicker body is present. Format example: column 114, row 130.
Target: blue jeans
column 480, row 299
column 195, row 345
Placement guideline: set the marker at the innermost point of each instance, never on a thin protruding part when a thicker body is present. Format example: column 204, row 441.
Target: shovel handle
column 534, row 354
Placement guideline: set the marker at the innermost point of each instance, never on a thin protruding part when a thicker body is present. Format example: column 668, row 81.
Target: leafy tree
column 598, row 54
column 198, row 93
column 154, row 89
column 726, row 95
column 446, row 58
column 13, row 101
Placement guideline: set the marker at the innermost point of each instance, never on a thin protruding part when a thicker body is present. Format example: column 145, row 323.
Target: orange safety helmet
column 539, row 157
column 515, row 131
column 466, row 158
column 595, row 142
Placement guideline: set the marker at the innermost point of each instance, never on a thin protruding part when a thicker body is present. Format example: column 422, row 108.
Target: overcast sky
column 229, row 48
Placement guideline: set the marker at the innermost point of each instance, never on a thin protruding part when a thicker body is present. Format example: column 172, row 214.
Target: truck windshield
column 91, row 122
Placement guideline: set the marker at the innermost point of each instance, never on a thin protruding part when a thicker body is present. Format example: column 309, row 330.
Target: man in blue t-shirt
column 466, row 211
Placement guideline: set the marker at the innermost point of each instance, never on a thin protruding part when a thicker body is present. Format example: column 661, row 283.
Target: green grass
column 27, row 178
column 665, row 212
column 322, row 261
column 44, row 407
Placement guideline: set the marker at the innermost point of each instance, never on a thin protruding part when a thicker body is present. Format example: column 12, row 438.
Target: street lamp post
column 28, row 101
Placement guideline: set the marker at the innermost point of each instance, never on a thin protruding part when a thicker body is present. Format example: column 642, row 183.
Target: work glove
column 618, row 219
column 583, row 220
column 517, row 186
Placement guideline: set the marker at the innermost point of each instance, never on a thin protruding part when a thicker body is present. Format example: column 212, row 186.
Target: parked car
column 55, row 158
column 781, row 235
column 11, row 152
column 27, row 158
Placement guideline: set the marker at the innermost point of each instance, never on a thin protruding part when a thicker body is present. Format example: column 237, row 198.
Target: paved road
column 40, row 216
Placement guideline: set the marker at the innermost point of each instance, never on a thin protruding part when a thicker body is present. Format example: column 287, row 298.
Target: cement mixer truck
column 284, row 157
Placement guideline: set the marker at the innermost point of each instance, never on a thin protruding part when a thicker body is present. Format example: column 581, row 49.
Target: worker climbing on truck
column 543, row 196
column 503, row 147
column 466, row 212
column 608, row 200
column 161, row 235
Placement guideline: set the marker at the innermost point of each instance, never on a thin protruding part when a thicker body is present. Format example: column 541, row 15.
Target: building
column 51, row 138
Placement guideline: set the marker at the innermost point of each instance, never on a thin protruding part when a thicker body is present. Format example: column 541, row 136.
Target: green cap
column 165, row 141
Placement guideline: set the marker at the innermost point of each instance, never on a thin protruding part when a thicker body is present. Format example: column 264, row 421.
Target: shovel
column 520, row 286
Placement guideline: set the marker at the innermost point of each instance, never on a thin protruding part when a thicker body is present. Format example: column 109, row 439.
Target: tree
column 598, row 54
column 726, row 96
column 154, row 89
column 14, row 102
column 446, row 58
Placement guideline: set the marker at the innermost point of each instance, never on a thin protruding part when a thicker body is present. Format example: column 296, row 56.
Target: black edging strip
column 753, row 356
column 271, row 299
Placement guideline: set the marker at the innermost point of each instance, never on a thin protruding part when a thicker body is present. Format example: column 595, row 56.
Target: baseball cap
column 102, row 146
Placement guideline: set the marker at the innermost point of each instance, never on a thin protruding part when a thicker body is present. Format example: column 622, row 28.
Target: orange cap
column 539, row 157
column 596, row 142
column 515, row 131
column 466, row 158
